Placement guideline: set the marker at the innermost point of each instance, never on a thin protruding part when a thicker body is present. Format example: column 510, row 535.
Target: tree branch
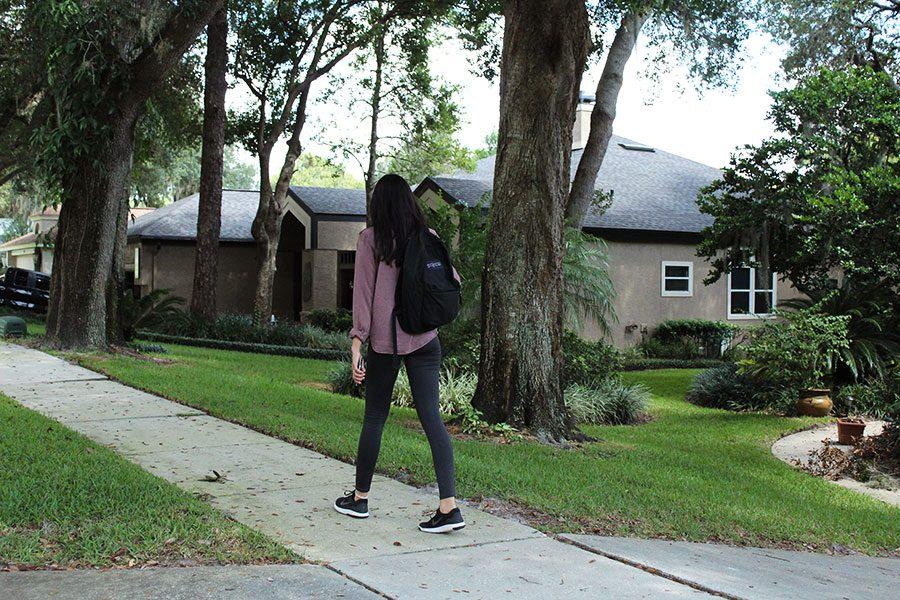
column 603, row 114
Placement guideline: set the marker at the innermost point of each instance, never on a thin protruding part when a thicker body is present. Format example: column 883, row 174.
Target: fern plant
column 873, row 329
column 148, row 310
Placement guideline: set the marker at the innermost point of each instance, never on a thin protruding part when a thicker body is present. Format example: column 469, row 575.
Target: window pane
column 677, row 285
column 677, row 271
column 763, row 281
column 740, row 279
column 763, row 302
column 740, row 303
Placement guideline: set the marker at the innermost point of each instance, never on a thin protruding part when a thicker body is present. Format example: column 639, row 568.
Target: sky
column 703, row 126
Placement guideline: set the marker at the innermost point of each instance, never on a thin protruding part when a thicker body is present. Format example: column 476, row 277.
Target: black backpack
column 427, row 294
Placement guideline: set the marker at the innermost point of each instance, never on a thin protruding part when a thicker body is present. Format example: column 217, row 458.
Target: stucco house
column 34, row 250
column 651, row 230
column 314, row 266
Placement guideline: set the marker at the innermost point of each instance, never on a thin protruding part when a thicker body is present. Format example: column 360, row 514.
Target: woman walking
column 395, row 216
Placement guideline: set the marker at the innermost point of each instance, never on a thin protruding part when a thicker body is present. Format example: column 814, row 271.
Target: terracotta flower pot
column 850, row 431
column 814, row 403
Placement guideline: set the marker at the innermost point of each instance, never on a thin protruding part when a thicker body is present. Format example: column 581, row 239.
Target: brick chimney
column 582, row 120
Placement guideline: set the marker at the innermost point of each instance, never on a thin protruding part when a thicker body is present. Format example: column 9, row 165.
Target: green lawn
column 67, row 501
column 691, row 473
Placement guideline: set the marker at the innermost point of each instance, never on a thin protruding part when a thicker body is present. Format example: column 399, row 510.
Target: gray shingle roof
column 178, row 221
column 332, row 201
column 652, row 191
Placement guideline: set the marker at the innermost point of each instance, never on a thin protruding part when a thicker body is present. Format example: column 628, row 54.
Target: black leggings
column 423, row 368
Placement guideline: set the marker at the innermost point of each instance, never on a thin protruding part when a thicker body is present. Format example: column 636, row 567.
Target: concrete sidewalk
column 286, row 492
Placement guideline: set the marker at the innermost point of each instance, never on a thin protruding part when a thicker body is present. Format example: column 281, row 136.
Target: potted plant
column 798, row 353
column 850, row 429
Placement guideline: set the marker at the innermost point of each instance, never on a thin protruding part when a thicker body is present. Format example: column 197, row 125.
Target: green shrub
column 340, row 380
column 338, row 320
column 875, row 398
column 680, row 348
column 461, row 344
column 797, row 353
column 706, row 338
column 643, row 364
column 873, row 329
column 457, row 388
column 148, row 348
column 724, row 387
column 608, row 402
column 152, row 309
column 587, row 362
column 298, row 351
column 240, row 328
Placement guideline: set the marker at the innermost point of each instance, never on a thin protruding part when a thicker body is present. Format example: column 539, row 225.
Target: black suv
column 26, row 289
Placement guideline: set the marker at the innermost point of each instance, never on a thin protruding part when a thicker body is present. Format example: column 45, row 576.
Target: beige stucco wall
column 636, row 271
column 171, row 266
column 339, row 235
column 324, row 279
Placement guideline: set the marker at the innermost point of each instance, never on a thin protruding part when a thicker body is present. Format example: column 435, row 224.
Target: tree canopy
column 821, row 198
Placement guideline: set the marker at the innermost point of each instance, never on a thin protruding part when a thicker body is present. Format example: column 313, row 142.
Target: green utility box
column 12, row 327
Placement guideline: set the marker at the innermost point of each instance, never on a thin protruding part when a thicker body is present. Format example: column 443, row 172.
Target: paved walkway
column 286, row 492
column 795, row 450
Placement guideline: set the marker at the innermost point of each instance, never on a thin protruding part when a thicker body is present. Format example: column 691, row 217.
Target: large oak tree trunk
column 115, row 329
column 603, row 115
column 545, row 46
column 95, row 186
column 209, row 214
column 93, row 192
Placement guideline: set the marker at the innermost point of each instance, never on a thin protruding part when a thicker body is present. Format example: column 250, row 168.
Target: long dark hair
column 395, row 215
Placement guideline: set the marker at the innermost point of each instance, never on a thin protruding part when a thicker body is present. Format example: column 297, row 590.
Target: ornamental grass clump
column 609, row 402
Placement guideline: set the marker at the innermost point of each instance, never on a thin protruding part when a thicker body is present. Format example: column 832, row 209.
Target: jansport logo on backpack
column 427, row 294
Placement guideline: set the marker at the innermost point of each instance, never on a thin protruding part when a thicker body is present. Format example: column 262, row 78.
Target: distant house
column 34, row 250
column 652, row 229
column 314, row 266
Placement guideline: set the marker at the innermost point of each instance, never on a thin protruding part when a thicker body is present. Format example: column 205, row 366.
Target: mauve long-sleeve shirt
column 373, row 302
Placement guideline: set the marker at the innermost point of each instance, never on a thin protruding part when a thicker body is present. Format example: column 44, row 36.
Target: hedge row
column 642, row 364
column 297, row 351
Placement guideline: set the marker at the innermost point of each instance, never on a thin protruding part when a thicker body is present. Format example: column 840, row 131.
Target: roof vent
column 637, row 147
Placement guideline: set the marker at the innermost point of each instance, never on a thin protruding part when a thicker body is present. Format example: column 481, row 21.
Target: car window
column 20, row 278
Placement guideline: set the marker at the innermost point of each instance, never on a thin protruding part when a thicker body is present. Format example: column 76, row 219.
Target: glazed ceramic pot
column 814, row 403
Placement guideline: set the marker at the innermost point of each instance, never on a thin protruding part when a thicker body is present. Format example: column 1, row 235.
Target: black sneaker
column 443, row 523
column 349, row 505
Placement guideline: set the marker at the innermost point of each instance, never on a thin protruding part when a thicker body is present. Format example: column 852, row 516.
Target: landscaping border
column 643, row 364
column 296, row 351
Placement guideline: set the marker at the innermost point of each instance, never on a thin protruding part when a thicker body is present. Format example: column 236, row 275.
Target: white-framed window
column 750, row 294
column 677, row 278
